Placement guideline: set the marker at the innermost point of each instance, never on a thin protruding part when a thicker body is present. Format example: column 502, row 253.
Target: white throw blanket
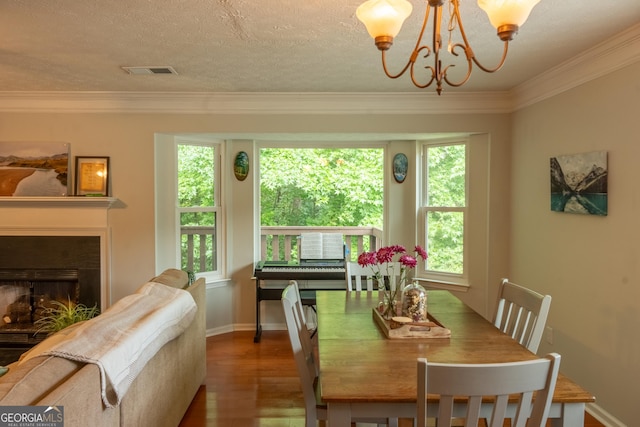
column 127, row 335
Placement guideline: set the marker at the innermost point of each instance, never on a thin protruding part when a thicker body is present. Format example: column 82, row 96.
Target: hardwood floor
column 254, row 385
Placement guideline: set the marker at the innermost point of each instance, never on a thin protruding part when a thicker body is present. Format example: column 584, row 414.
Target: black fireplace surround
column 60, row 267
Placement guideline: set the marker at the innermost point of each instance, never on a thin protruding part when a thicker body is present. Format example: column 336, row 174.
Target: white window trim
column 476, row 223
column 320, row 144
column 168, row 213
column 437, row 279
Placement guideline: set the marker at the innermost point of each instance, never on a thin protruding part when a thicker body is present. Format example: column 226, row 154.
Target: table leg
column 571, row 415
column 339, row 414
column 256, row 338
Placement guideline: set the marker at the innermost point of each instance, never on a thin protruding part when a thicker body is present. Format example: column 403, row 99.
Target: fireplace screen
column 34, row 272
column 26, row 301
column 25, row 296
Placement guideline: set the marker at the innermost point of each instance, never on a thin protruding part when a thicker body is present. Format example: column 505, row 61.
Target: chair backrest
column 522, row 314
column 360, row 278
column 302, row 348
column 497, row 381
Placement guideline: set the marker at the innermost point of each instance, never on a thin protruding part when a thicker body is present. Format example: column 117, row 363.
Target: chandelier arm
column 500, row 64
column 424, row 26
column 437, row 38
column 395, row 76
column 434, row 73
column 467, row 46
column 414, row 55
column 469, row 56
column 435, row 49
column 461, row 82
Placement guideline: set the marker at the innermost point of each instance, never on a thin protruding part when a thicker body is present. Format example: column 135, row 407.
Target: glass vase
column 414, row 302
column 389, row 305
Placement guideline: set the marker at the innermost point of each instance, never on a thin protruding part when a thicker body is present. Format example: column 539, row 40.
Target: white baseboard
column 603, row 416
column 245, row 327
column 219, row 331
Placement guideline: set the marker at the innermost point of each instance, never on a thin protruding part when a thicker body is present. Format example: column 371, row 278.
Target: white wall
column 589, row 264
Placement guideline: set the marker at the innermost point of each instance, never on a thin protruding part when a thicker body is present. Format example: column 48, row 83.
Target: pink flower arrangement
column 384, row 256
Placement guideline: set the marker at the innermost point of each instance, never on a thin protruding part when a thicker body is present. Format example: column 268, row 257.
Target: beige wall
column 129, row 140
column 589, row 264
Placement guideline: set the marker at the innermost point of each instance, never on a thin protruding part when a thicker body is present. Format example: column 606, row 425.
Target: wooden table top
column 358, row 363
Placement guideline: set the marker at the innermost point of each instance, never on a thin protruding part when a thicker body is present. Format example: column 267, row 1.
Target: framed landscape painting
column 579, row 183
column 34, row 169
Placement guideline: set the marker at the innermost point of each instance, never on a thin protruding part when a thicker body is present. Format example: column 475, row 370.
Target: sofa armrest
column 199, row 325
column 173, row 277
column 178, row 369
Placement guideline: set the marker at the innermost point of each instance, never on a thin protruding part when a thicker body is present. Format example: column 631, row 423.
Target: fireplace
column 52, row 247
column 34, row 272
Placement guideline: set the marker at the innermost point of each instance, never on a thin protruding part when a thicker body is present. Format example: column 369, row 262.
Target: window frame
column 167, row 218
column 423, row 209
column 322, row 144
column 217, row 207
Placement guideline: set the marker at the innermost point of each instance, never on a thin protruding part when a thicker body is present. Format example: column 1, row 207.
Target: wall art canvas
column 34, row 169
column 579, row 183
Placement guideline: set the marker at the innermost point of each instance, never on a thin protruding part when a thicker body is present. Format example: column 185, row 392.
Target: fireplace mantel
column 62, row 216
column 104, row 202
column 57, row 213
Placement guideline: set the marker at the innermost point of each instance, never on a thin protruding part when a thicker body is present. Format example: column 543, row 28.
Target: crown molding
column 604, row 58
column 254, row 103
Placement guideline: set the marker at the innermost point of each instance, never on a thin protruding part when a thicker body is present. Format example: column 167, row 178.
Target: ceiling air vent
column 150, row 70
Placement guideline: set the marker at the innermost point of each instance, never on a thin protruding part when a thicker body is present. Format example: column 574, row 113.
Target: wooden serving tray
column 430, row 329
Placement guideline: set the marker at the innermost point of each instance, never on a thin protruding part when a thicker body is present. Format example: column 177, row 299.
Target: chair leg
column 392, row 422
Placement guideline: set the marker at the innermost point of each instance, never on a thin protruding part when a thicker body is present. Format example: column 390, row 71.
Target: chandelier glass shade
column 384, row 18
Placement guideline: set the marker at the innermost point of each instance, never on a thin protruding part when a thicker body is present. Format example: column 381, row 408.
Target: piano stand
column 320, row 271
column 307, row 296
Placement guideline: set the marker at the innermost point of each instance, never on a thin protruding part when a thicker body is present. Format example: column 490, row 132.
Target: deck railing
column 200, row 248
column 276, row 243
column 283, row 243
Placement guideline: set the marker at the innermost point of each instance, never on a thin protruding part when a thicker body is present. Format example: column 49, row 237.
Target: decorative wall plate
column 400, row 167
column 241, row 166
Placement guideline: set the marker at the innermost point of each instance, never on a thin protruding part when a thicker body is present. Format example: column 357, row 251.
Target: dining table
column 364, row 373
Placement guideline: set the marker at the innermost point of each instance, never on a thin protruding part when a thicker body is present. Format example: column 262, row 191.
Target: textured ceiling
column 266, row 46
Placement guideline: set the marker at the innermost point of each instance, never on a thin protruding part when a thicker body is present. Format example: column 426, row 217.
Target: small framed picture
column 92, row 176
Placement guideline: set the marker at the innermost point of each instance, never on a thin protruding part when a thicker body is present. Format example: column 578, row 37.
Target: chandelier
column 384, row 18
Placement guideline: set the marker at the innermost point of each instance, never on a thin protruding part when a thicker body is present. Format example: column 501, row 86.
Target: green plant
column 192, row 277
column 61, row 315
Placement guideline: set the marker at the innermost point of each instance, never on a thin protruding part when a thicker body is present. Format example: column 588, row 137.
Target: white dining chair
column 499, row 382
column 305, row 359
column 360, row 278
column 522, row 314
